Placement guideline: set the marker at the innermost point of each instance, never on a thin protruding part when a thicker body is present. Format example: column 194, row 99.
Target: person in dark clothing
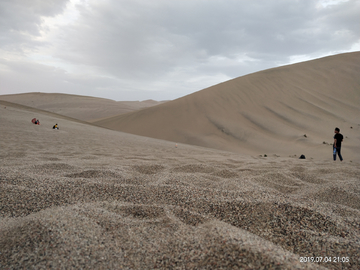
column 338, row 138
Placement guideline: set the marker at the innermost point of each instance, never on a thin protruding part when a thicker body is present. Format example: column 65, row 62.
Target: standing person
column 338, row 138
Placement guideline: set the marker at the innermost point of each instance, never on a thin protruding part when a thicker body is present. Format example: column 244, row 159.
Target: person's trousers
column 337, row 150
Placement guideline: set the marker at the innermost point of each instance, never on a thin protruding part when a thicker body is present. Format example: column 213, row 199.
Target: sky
column 162, row 49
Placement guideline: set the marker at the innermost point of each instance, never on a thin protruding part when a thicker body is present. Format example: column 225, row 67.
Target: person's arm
column 334, row 142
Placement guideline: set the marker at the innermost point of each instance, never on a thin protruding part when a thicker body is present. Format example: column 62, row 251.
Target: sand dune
column 290, row 110
column 79, row 107
column 84, row 197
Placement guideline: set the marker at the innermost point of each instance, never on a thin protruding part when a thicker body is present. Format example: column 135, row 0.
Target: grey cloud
column 20, row 18
column 129, row 38
column 24, row 15
column 173, row 47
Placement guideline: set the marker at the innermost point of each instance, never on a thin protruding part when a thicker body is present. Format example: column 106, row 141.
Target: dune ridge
column 84, row 108
column 286, row 110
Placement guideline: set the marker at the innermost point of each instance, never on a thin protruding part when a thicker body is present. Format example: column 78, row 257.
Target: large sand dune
column 268, row 112
column 80, row 107
column 84, row 197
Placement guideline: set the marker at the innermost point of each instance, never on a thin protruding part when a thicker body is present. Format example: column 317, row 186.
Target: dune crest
column 84, row 108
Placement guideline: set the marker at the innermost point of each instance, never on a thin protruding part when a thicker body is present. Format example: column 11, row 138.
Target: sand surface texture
column 85, row 197
column 290, row 110
column 80, row 107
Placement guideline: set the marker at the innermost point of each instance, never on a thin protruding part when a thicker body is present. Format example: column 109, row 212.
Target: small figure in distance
column 338, row 138
column 56, row 126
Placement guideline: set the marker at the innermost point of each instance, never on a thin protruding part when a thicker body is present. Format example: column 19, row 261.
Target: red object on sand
column 33, row 120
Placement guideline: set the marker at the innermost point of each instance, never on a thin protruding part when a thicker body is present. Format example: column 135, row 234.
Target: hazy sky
column 162, row 49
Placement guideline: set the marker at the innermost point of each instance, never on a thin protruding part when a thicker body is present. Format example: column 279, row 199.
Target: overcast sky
column 162, row 49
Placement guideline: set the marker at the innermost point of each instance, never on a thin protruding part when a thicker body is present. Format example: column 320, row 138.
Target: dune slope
column 287, row 110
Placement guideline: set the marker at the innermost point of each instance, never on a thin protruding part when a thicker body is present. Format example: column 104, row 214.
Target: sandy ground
column 84, row 197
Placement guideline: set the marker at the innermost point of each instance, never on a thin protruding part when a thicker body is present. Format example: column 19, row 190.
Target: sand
column 287, row 111
column 84, row 197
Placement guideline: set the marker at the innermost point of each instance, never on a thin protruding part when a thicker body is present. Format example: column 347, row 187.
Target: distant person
column 56, row 126
column 338, row 138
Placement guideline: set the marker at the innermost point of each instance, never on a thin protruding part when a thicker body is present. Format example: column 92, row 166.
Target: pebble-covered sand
column 83, row 197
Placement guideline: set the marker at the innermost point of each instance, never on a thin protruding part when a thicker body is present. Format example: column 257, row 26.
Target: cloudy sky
column 162, row 49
